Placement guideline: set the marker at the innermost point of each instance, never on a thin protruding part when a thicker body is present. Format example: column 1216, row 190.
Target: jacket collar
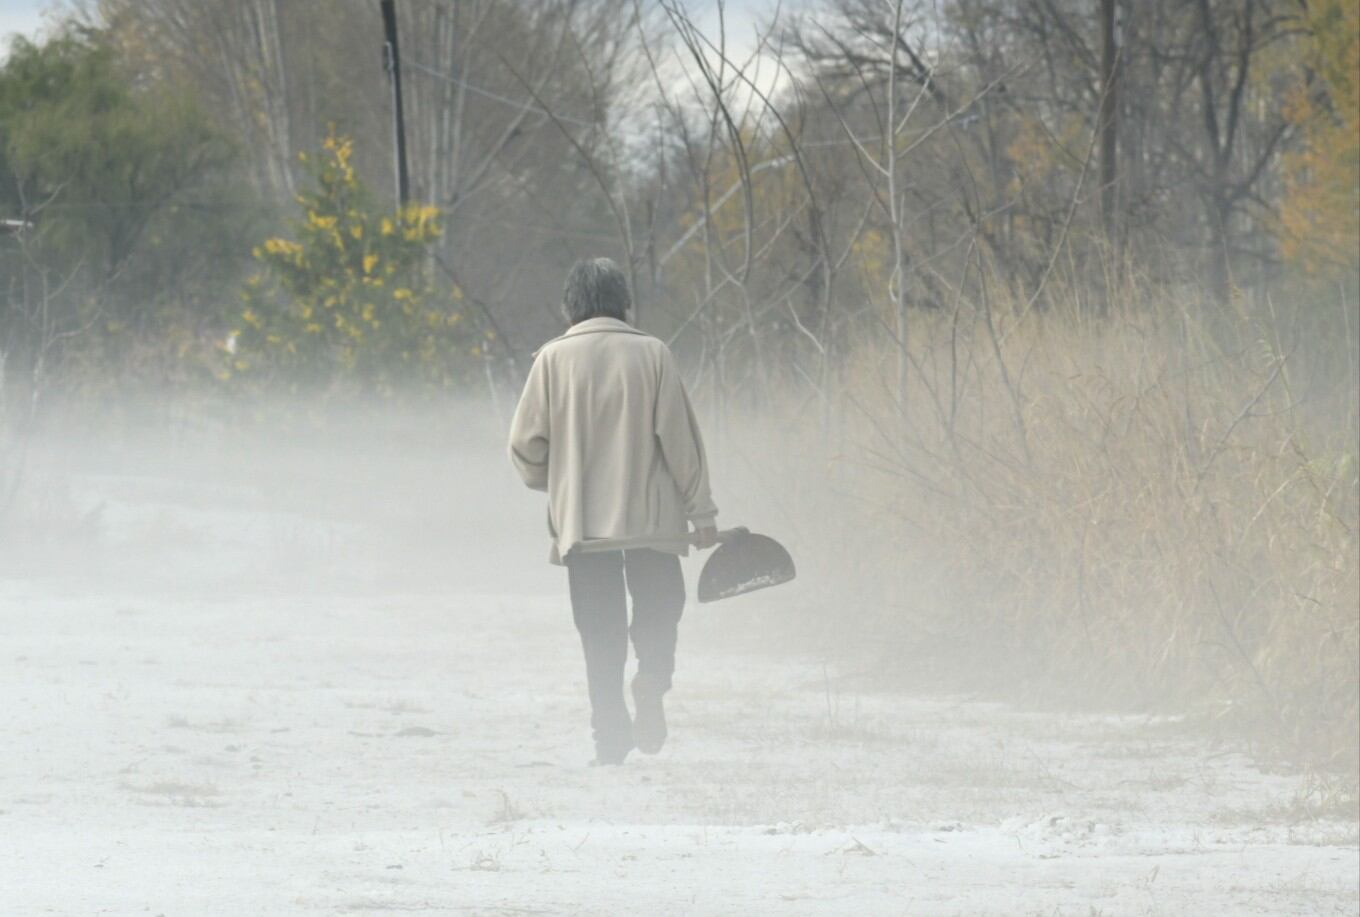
column 600, row 325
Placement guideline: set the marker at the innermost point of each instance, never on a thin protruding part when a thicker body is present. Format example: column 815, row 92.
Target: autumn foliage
column 1320, row 209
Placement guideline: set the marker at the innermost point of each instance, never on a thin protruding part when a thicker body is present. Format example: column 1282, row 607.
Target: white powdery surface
column 262, row 752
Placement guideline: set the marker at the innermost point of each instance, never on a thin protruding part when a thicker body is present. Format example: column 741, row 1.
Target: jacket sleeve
column 682, row 446
column 529, row 429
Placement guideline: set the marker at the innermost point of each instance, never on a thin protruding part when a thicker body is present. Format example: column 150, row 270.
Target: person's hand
column 705, row 537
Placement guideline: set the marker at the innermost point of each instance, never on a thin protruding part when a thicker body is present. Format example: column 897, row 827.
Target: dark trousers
column 599, row 606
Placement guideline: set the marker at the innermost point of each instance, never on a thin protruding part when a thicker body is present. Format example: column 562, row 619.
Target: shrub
column 349, row 301
column 1152, row 510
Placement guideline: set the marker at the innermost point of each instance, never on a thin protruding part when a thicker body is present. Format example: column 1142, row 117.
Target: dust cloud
column 296, row 664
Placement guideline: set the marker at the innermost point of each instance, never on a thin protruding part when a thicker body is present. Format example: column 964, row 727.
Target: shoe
column 649, row 718
column 609, row 757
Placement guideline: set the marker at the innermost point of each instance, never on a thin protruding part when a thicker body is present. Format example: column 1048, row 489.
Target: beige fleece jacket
column 606, row 428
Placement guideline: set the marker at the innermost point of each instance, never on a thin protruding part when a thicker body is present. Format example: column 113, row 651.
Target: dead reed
column 1158, row 507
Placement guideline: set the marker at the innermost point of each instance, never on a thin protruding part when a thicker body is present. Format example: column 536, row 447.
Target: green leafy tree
column 349, row 302
column 128, row 186
column 104, row 156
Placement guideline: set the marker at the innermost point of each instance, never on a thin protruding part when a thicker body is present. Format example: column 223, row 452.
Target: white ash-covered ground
column 229, row 703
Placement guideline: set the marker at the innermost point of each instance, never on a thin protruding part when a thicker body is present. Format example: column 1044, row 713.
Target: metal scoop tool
column 743, row 562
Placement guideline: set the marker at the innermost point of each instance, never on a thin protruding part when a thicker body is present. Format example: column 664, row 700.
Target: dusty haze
column 1028, row 326
column 254, row 671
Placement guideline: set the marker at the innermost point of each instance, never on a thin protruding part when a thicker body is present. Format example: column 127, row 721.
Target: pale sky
column 24, row 16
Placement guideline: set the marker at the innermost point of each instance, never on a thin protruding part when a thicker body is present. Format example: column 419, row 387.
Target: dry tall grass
column 1158, row 507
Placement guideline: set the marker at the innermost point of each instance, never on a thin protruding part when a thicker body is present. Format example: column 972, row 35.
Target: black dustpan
column 744, row 562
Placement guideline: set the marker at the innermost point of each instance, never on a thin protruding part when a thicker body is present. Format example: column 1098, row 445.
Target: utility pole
column 1109, row 122
column 392, row 64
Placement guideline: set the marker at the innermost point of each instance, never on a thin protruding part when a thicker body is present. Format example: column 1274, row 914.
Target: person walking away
column 605, row 427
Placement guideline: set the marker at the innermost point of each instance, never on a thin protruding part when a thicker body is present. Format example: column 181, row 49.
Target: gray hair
column 595, row 287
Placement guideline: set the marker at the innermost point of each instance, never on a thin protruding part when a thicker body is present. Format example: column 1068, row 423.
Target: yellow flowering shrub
column 346, row 299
